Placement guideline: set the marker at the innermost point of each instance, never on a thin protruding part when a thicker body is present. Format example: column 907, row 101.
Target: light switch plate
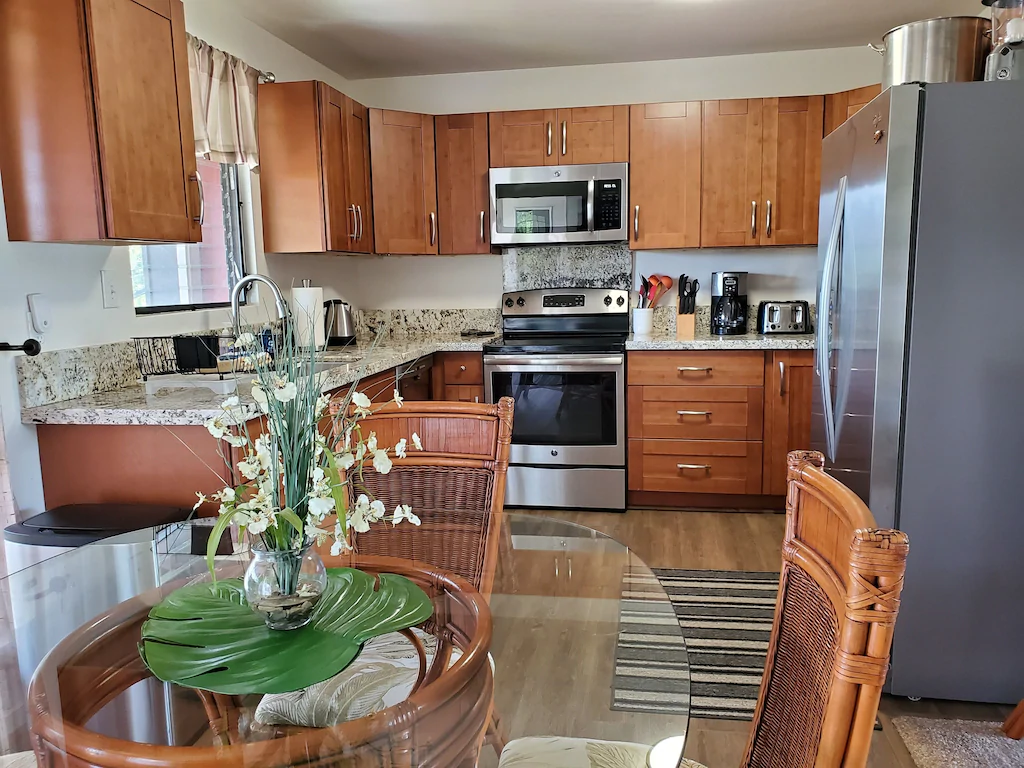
column 110, row 298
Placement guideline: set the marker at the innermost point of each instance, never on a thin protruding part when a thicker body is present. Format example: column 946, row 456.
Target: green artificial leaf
column 205, row 635
column 215, row 535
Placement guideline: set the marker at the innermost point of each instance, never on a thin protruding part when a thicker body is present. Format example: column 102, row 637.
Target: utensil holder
column 643, row 321
column 685, row 327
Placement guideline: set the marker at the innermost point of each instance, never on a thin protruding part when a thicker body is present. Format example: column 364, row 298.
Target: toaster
column 783, row 317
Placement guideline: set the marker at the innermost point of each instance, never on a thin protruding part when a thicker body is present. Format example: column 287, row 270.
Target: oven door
column 559, row 204
column 570, row 409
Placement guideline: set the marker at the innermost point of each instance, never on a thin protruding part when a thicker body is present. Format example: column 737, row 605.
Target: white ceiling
column 389, row 38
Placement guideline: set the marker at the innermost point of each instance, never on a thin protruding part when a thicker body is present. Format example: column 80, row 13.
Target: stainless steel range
column 562, row 358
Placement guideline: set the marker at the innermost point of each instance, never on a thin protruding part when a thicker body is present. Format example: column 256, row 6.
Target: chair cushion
column 558, row 752
column 382, row 675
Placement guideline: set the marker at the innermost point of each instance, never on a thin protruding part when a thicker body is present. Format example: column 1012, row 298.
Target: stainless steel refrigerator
column 919, row 395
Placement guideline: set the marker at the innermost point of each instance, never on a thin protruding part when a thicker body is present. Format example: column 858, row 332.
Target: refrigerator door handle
column 823, row 354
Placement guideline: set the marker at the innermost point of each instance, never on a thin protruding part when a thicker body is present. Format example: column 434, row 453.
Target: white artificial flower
column 344, row 460
column 377, row 510
column 400, row 448
column 225, row 496
column 322, row 403
column 202, row 500
column 260, row 396
column 235, row 440
column 404, row 512
column 381, row 462
column 317, row 475
column 398, row 399
column 360, row 450
column 339, row 546
column 259, row 522
column 347, row 439
column 359, row 516
column 231, row 402
column 416, row 442
column 216, row 427
column 244, row 340
column 320, row 507
column 285, row 392
column 359, row 400
column 371, row 443
column 250, row 467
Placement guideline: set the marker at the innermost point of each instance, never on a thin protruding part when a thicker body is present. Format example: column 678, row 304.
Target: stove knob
column 620, row 301
column 521, row 301
column 607, row 301
column 509, row 303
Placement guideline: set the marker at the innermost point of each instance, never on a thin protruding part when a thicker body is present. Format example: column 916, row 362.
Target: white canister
column 643, row 321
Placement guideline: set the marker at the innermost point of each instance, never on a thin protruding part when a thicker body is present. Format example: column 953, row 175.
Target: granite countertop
column 195, row 405
column 667, row 340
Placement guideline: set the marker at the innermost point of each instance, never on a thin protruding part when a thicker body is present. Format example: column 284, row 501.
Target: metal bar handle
column 768, row 220
column 590, row 204
column 359, row 214
column 704, row 368
column 753, row 218
column 636, row 222
column 483, row 235
column 821, row 352
column 705, row 467
column 433, row 227
column 563, row 137
column 694, row 413
column 549, row 139
column 355, row 223
column 782, row 379
column 201, row 218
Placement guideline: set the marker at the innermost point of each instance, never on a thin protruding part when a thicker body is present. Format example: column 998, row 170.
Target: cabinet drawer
column 731, row 369
column 463, row 368
column 696, row 413
column 464, row 393
column 695, row 466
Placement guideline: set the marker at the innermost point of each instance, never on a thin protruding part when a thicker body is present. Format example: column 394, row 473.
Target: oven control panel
column 565, row 301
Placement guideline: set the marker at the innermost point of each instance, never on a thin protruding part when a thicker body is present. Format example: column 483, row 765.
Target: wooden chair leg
column 1014, row 725
column 496, row 736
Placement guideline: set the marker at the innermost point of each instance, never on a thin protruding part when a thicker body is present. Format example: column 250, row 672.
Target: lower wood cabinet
column 464, row 393
column 789, row 379
column 459, row 377
column 695, row 466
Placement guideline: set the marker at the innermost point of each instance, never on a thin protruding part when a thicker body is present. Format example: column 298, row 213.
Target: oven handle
column 562, row 361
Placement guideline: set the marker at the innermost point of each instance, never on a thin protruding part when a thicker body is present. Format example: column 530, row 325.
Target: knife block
column 685, row 327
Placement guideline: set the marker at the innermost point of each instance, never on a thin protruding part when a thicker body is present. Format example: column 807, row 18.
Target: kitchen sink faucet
column 236, row 295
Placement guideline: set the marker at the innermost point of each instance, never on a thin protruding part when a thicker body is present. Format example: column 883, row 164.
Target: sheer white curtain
column 223, row 105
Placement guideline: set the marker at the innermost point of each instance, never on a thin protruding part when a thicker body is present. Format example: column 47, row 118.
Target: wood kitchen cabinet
column 314, row 170
column 789, row 381
column 762, row 171
column 665, row 175
column 462, row 191
column 459, row 377
column 571, row 136
column 96, row 140
column 404, row 182
column 840, row 107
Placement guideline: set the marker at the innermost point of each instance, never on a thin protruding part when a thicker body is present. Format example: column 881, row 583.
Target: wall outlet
column 38, row 313
column 110, row 297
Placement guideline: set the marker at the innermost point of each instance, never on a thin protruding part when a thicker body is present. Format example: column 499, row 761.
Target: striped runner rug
column 726, row 619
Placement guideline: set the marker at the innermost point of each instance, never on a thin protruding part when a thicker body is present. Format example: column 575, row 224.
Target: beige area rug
column 935, row 743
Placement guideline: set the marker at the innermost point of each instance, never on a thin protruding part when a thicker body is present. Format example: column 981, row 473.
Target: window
column 169, row 278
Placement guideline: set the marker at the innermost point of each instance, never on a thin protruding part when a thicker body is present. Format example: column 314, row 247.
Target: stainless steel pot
column 945, row 50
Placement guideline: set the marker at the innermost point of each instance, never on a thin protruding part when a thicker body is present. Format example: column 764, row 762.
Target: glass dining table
column 584, row 641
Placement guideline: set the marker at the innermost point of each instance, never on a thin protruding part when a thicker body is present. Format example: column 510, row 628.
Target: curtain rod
column 267, row 77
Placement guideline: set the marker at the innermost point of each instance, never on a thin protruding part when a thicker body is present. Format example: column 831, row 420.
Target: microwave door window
column 560, row 408
column 541, row 208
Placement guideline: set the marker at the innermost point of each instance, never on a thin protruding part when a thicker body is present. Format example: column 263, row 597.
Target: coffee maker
column 728, row 303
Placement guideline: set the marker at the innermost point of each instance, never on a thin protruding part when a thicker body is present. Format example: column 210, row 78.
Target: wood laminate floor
column 747, row 542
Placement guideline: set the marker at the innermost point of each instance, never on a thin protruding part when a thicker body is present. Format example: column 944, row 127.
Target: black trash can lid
column 74, row 525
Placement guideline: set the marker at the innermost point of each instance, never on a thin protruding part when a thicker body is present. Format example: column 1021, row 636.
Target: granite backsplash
column 608, row 265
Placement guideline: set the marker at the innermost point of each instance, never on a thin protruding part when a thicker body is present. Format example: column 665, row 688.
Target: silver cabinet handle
column 704, row 368
column 753, row 218
column 355, row 223
column 694, row 413
column 462, row 367
column 201, row 218
column 563, row 136
column 433, row 228
column 483, row 235
column 782, row 379
column 590, row 205
column 549, row 139
column 705, row 467
column 359, row 214
column 636, row 222
column 768, row 220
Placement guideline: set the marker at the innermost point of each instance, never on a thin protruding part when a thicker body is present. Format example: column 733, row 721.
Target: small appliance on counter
column 341, row 330
column 728, row 303
column 1006, row 62
column 784, row 317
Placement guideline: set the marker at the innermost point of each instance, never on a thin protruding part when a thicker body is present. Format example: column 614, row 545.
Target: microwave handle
column 590, row 204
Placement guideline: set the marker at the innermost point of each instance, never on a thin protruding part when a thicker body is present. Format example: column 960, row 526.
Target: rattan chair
column 839, row 594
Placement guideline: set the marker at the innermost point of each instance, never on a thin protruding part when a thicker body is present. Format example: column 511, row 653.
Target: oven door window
column 560, row 408
column 541, row 208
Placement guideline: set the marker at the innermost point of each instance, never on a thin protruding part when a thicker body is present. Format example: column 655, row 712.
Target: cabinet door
column 664, row 175
column 144, row 119
column 791, row 170
column 462, row 192
column 840, row 107
column 464, row 393
column 593, row 135
column 404, row 182
column 340, row 224
column 789, row 378
column 732, row 173
column 359, row 203
column 523, row 138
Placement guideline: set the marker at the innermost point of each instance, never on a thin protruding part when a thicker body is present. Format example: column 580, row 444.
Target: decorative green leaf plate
column 205, row 635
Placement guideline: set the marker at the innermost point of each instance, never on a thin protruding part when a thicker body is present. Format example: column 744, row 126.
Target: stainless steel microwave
column 559, row 204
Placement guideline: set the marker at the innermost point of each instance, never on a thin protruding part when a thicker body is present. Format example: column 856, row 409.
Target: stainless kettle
column 340, row 327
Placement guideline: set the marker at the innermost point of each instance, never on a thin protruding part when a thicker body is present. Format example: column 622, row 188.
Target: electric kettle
column 341, row 330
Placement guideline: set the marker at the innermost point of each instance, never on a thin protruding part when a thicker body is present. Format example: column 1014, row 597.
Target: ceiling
column 390, row 38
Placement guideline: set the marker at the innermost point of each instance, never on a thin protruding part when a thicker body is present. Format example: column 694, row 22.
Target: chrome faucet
column 236, row 295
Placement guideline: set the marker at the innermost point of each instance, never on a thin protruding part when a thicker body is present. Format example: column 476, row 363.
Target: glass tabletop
column 585, row 641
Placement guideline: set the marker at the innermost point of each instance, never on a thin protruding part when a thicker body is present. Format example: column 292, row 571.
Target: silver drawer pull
column 705, row 467
column 694, row 413
column 704, row 368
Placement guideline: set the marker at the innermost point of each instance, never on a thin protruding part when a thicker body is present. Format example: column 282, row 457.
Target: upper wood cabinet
column 788, row 382
column 462, row 191
column 96, row 140
column 840, row 107
column 665, row 175
column 314, row 170
column 404, row 182
column 762, row 171
column 575, row 136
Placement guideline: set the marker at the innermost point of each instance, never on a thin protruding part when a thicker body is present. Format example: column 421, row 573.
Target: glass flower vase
column 284, row 585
